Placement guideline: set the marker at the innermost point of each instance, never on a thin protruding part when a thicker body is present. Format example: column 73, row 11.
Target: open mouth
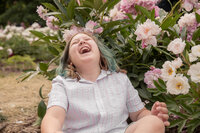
column 84, row 49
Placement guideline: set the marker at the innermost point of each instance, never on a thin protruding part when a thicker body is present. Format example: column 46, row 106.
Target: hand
column 58, row 132
column 160, row 110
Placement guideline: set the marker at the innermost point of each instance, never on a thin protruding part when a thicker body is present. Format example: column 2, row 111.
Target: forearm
column 143, row 113
column 50, row 125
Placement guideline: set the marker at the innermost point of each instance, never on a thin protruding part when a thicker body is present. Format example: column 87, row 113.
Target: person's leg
column 147, row 124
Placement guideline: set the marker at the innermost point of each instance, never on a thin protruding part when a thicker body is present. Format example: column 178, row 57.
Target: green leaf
column 62, row 8
column 53, row 50
column 184, row 116
column 196, row 34
column 41, row 109
column 153, row 14
column 50, row 6
column 183, row 33
column 37, row 122
column 108, row 4
column 43, row 66
column 158, row 86
column 170, row 21
column 112, row 4
column 144, row 11
column 175, row 123
column 37, row 33
column 70, row 8
column 197, row 17
column 40, row 92
column 162, row 83
column 186, row 107
column 53, row 13
column 196, row 115
column 97, row 4
column 144, row 93
column 192, row 125
column 131, row 42
column 181, row 125
column 88, row 4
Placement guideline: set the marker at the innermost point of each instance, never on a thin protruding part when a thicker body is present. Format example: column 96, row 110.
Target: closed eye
column 87, row 39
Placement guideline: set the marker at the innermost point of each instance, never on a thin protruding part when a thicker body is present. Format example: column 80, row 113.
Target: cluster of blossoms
column 176, row 83
column 128, row 6
column 190, row 23
column 188, row 5
column 147, row 33
column 11, row 30
column 50, row 20
column 89, row 28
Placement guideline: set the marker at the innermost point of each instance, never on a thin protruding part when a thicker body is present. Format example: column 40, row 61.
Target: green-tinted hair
column 107, row 61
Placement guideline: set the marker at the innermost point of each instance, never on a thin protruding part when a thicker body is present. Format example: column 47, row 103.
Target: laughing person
column 91, row 94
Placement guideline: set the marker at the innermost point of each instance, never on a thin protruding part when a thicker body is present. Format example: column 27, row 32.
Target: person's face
column 83, row 49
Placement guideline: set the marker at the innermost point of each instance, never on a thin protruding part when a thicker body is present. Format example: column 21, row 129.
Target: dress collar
column 101, row 76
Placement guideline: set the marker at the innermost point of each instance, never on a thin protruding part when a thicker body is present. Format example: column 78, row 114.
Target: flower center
column 179, row 86
column 170, row 71
column 146, row 30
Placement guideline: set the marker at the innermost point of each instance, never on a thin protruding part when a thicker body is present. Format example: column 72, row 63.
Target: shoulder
column 119, row 75
column 61, row 79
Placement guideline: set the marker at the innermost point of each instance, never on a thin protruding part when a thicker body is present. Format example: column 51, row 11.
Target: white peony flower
column 115, row 14
column 196, row 50
column 192, row 58
column 1, row 48
column 188, row 19
column 194, row 72
column 178, row 85
column 176, row 46
column 146, row 30
column 168, row 71
column 35, row 25
column 9, row 51
column 177, row 63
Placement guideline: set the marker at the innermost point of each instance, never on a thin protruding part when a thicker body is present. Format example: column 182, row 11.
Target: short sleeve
column 58, row 95
column 133, row 101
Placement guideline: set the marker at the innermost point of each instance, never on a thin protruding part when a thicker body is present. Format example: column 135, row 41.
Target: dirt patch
column 19, row 101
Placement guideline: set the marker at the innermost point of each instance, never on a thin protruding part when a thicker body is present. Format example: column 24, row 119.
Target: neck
column 90, row 73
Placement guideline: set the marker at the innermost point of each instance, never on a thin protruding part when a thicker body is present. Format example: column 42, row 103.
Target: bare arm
column 53, row 120
column 159, row 109
column 139, row 114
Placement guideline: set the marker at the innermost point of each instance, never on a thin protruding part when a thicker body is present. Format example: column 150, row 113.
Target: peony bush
column 160, row 50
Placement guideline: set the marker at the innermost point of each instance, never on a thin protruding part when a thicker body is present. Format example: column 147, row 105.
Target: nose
column 81, row 42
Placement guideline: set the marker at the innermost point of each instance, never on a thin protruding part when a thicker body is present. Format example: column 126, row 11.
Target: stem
column 185, row 60
column 101, row 20
column 171, row 12
column 127, row 57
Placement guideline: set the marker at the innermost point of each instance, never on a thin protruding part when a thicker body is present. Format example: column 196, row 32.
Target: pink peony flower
column 152, row 75
column 78, row 1
column 41, row 12
column 50, row 23
column 147, row 32
column 189, row 22
column 90, row 25
column 128, row 6
column 116, row 14
column 190, row 4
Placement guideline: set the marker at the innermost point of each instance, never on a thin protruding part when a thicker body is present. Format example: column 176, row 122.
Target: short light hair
column 107, row 61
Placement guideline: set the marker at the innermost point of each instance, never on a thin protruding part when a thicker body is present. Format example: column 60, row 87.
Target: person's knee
column 155, row 123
